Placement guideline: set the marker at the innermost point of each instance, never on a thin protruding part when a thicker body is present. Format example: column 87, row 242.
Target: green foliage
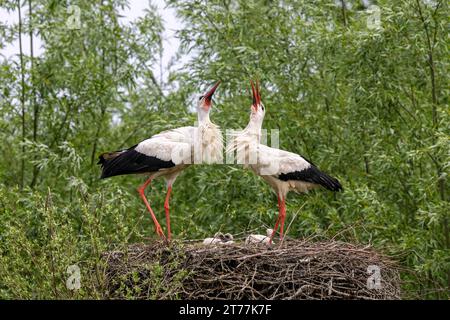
column 369, row 106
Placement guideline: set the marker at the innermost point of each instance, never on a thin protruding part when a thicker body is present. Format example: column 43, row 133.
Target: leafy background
column 370, row 106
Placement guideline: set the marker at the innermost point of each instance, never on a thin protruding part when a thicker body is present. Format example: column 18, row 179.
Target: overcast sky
column 135, row 10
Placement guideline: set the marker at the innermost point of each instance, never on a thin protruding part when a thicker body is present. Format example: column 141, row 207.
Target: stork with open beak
column 284, row 171
column 167, row 154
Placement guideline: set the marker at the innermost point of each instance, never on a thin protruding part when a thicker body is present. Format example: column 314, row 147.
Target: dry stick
column 292, row 220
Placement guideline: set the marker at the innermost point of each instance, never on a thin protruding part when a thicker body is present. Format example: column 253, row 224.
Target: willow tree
column 58, row 111
column 363, row 91
column 87, row 73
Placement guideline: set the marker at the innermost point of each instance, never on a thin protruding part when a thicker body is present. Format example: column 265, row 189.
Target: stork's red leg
column 166, row 207
column 141, row 190
column 281, row 215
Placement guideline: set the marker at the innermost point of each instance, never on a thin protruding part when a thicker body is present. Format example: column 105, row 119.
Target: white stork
column 284, row 171
column 167, row 153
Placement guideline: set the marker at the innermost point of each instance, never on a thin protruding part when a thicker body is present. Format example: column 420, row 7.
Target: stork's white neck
column 203, row 117
column 208, row 142
column 253, row 128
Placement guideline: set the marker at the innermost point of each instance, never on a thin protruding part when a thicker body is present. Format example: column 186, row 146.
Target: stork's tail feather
column 313, row 175
column 328, row 182
column 130, row 161
column 105, row 160
column 104, row 157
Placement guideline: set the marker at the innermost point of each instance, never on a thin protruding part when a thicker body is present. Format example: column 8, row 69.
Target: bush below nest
column 297, row 269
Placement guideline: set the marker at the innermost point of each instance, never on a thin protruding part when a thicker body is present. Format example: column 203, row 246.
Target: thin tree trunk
column 22, row 97
column 33, row 95
column 33, row 91
column 344, row 12
column 102, row 114
column 160, row 63
column 434, row 99
column 97, row 133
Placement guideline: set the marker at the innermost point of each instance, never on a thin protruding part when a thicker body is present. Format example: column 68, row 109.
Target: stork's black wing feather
column 313, row 175
column 130, row 161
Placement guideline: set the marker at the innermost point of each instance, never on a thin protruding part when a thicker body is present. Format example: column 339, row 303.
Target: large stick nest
column 296, row 269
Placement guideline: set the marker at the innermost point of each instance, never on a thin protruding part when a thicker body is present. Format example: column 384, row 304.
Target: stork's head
column 205, row 101
column 257, row 109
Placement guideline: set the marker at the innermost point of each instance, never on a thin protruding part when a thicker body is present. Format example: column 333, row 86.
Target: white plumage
column 259, row 238
column 267, row 160
column 220, row 239
column 186, row 145
column 165, row 149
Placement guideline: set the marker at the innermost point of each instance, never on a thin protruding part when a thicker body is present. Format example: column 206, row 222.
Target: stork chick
column 219, row 238
column 259, row 238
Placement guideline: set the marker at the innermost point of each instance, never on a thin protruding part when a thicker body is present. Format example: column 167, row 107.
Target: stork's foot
column 167, row 208
column 160, row 232
column 169, row 233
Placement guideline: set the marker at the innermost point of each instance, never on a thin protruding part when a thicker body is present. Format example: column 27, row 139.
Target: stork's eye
column 201, row 97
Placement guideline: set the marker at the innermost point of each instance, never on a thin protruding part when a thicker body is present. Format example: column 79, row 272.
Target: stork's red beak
column 256, row 94
column 211, row 91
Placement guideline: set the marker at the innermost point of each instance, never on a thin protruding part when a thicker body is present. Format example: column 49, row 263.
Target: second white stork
column 284, row 171
column 167, row 154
